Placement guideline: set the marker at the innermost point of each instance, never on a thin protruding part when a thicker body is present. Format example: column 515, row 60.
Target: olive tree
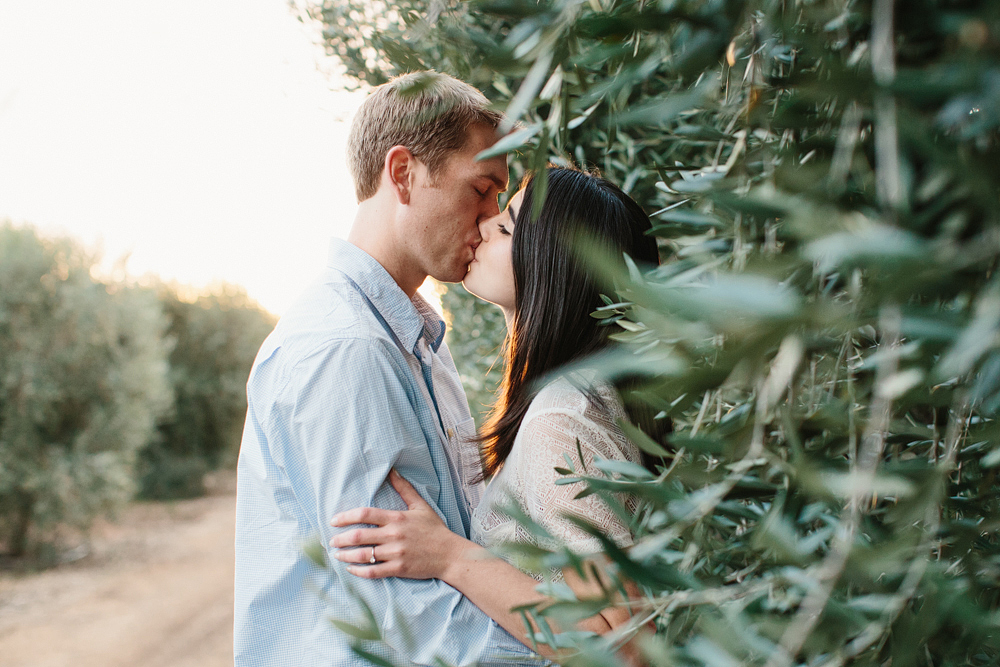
column 83, row 379
column 213, row 340
column 824, row 329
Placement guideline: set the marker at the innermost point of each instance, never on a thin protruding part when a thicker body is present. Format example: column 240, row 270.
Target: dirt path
column 156, row 591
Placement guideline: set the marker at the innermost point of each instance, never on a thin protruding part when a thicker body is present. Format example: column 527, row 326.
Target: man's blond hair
column 427, row 112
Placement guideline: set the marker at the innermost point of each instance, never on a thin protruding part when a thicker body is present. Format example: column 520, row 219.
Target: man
column 354, row 381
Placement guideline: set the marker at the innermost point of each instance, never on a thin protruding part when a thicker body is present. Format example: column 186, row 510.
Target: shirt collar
column 409, row 319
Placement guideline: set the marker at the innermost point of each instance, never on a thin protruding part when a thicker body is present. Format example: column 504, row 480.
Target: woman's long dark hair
column 555, row 291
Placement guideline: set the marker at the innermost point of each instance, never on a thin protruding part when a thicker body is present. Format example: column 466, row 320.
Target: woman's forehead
column 515, row 200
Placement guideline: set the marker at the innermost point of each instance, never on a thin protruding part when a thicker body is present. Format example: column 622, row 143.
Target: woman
column 531, row 270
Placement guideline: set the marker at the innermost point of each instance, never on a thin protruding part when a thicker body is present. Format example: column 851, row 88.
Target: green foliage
column 824, row 328
column 82, row 381
column 476, row 330
column 214, row 340
column 101, row 382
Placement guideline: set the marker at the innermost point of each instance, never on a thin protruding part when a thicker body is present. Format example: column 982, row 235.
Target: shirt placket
column 452, row 449
column 426, row 360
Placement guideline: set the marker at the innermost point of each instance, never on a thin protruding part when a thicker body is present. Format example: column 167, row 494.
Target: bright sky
column 204, row 137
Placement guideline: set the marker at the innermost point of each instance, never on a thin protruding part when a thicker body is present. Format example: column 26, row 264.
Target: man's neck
column 371, row 233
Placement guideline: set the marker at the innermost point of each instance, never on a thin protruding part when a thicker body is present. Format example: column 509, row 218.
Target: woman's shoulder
column 576, row 417
column 578, row 395
column 574, row 391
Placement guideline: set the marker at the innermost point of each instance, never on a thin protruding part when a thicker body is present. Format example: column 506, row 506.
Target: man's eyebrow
column 500, row 183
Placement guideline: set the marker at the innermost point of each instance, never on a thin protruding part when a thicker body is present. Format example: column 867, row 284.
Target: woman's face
column 491, row 274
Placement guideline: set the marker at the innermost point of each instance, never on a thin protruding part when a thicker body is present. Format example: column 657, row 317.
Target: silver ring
column 372, row 559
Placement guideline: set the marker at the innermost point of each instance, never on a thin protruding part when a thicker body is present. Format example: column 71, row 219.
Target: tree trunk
column 24, row 505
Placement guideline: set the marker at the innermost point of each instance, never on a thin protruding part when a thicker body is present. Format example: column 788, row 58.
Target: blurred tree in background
column 214, row 340
column 108, row 388
column 82, row 383
column 475, row 338
column 825, row 328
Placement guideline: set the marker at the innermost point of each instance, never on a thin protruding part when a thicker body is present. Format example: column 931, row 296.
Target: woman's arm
column 416, row 544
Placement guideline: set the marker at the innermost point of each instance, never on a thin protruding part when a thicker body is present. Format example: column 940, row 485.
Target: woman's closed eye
column 504, row 230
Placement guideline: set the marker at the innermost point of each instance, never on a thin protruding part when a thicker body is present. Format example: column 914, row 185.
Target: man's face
column 446, row 209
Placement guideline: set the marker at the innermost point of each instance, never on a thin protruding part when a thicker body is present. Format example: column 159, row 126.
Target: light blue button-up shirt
column 337, row 396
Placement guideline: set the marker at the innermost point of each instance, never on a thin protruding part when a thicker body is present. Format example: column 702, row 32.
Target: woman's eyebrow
column 510, row 212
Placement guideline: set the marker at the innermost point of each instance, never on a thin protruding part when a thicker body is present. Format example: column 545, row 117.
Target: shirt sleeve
column 346, row 417
column 548, row 437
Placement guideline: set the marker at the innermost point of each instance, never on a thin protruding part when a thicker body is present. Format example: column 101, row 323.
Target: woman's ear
column 399, row 170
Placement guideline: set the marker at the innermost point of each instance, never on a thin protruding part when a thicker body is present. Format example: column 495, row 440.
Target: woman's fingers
column 370, row 515
column 380, row 517
column 366, row 571
column 356, row 538
column 413, row 543
column 406, row 490
column 379, row 571
column 359, row 562
column 356, row 555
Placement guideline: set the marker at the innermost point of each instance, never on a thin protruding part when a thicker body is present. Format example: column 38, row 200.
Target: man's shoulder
column 329, row 317
column 329, row 308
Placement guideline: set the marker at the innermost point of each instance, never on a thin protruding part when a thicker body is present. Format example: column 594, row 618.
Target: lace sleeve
column 546, row 437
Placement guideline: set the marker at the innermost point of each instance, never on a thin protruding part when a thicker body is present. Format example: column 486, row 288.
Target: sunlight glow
column 203, row 140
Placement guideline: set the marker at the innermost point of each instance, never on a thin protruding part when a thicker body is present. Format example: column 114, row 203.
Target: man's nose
column 492, row 207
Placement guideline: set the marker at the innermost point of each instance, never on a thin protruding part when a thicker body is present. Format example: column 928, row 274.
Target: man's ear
column 400, row 169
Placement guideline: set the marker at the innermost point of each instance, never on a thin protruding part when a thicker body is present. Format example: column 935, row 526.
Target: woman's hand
column 414, row 544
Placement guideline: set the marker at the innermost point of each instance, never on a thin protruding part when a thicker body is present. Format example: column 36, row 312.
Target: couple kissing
column 358, row 429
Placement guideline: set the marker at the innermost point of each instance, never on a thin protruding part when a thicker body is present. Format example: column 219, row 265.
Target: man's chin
column 454, row 276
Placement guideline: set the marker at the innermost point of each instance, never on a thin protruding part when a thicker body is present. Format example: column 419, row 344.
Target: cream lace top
column 559, row 415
